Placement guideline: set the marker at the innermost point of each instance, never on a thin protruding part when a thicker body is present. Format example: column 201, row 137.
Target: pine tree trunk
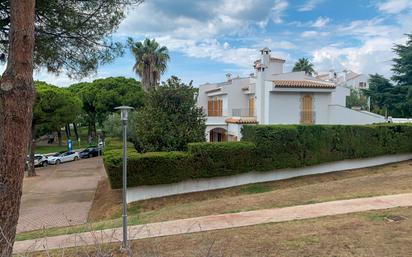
column 66, row 129
column 75, row 131
column 31, row 172
column 16, row 103
column 59, row 136
column 69, row 130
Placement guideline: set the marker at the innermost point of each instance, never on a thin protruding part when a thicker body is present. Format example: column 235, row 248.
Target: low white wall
column 147, row 192
column 345, row 116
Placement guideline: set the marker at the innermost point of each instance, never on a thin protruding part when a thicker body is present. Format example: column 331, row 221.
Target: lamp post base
column 126, row 250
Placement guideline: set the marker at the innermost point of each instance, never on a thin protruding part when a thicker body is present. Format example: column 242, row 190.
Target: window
column 214, row 106
column 362, row 84
column 306, row 114
column 251, row 106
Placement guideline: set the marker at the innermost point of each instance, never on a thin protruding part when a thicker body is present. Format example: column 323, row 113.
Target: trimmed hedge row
column 263, row 148
column 201, row 161
column 297, row 146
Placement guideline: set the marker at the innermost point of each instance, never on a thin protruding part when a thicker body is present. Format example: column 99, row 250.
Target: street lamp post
column 124, row 110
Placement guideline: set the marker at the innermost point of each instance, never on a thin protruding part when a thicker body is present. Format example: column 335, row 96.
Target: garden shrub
column 263, row 148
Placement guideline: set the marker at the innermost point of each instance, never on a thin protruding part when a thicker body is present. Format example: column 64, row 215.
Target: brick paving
column 215, row 222
column 61, row 195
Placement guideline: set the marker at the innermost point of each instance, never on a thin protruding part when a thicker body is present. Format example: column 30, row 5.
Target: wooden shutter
column 210, row 107
column 306, row 116
column 251, row 106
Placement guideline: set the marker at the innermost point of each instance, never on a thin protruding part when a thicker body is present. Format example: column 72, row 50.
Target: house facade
column 271, row 96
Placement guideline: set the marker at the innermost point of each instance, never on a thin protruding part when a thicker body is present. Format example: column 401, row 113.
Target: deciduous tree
column 170, row 118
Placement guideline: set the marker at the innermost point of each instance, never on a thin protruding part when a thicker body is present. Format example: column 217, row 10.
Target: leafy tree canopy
column 71, row 35
column 54, row 106
column 101, row 96
column 356, row 99
column 402, row 67
column 303, row 64
column 170, row 118
column 395, row 101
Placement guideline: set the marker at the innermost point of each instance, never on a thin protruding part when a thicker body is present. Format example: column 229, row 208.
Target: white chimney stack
column 229, row 76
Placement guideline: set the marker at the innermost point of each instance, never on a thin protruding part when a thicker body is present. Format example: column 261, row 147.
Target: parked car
column 39, row 160
column 90, row 152
column 63, row 157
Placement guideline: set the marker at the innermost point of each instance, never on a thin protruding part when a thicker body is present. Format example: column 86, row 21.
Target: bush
column 298, row 146
column 263, row 148
column 111, row 143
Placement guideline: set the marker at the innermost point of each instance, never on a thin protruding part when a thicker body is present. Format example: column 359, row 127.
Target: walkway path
column 222, row 221
column 60, row 195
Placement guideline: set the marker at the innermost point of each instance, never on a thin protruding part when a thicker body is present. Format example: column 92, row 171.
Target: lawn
column 382, row 180
column 367, row 234
column 44, row 148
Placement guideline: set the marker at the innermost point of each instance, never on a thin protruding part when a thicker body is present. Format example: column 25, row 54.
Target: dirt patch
column 106, row 202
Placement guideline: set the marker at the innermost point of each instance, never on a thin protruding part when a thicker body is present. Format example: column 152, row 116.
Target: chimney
column 260, row 96
column 265, row 53
column 345, row 75
column 332, row 75
column 229, row 77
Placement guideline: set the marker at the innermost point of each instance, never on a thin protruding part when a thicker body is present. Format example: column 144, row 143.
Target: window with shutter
column 306, row 114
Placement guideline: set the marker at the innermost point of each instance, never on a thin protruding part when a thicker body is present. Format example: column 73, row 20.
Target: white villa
column 271, row 96
column 345, row 78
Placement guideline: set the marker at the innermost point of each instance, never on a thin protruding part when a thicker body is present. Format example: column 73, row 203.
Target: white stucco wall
column 354, row 83
column 321, row 102
column 234, row 130
column 345, row 116
column 339, row 95
column 196, row 185
column 284, row 108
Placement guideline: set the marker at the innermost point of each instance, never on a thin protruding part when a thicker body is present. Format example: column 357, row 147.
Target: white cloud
column 320, row 22
column 205, row 19
column 275, row 44
column 309, row 5
column 394, row 6
column 278, row 9
column 312, row 33
column 374, row 56
column 212, row 49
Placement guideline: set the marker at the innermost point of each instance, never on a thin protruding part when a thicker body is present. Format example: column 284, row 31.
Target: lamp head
column 124, row 110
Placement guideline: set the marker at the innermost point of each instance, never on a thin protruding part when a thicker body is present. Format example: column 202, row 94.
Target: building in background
column 345, row 78
column 271, row 96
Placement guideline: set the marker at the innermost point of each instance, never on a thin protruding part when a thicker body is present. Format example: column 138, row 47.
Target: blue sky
column 210, row 38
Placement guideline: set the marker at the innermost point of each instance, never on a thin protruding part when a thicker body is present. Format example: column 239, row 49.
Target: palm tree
column 303, row 64
column 151, row 61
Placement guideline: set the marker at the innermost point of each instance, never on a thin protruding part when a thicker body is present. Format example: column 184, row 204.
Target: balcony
column 243, row 112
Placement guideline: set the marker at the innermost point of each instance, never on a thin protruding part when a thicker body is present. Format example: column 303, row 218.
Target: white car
column 39, row 160
column 63, row 157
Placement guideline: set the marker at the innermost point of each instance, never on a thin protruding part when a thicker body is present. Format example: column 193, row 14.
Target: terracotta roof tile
column 303, row 84
column 243, row 120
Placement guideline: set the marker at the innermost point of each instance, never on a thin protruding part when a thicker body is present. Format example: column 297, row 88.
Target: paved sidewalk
column 60, row 195
column 222, row 221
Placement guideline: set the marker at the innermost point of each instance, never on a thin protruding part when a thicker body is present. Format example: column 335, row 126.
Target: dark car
column 89, row 152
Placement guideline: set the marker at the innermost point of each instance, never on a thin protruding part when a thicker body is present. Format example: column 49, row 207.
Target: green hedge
column 263, row 148
column 298, row 146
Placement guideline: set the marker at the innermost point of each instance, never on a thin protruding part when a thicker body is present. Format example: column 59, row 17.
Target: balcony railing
column 243, row 112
